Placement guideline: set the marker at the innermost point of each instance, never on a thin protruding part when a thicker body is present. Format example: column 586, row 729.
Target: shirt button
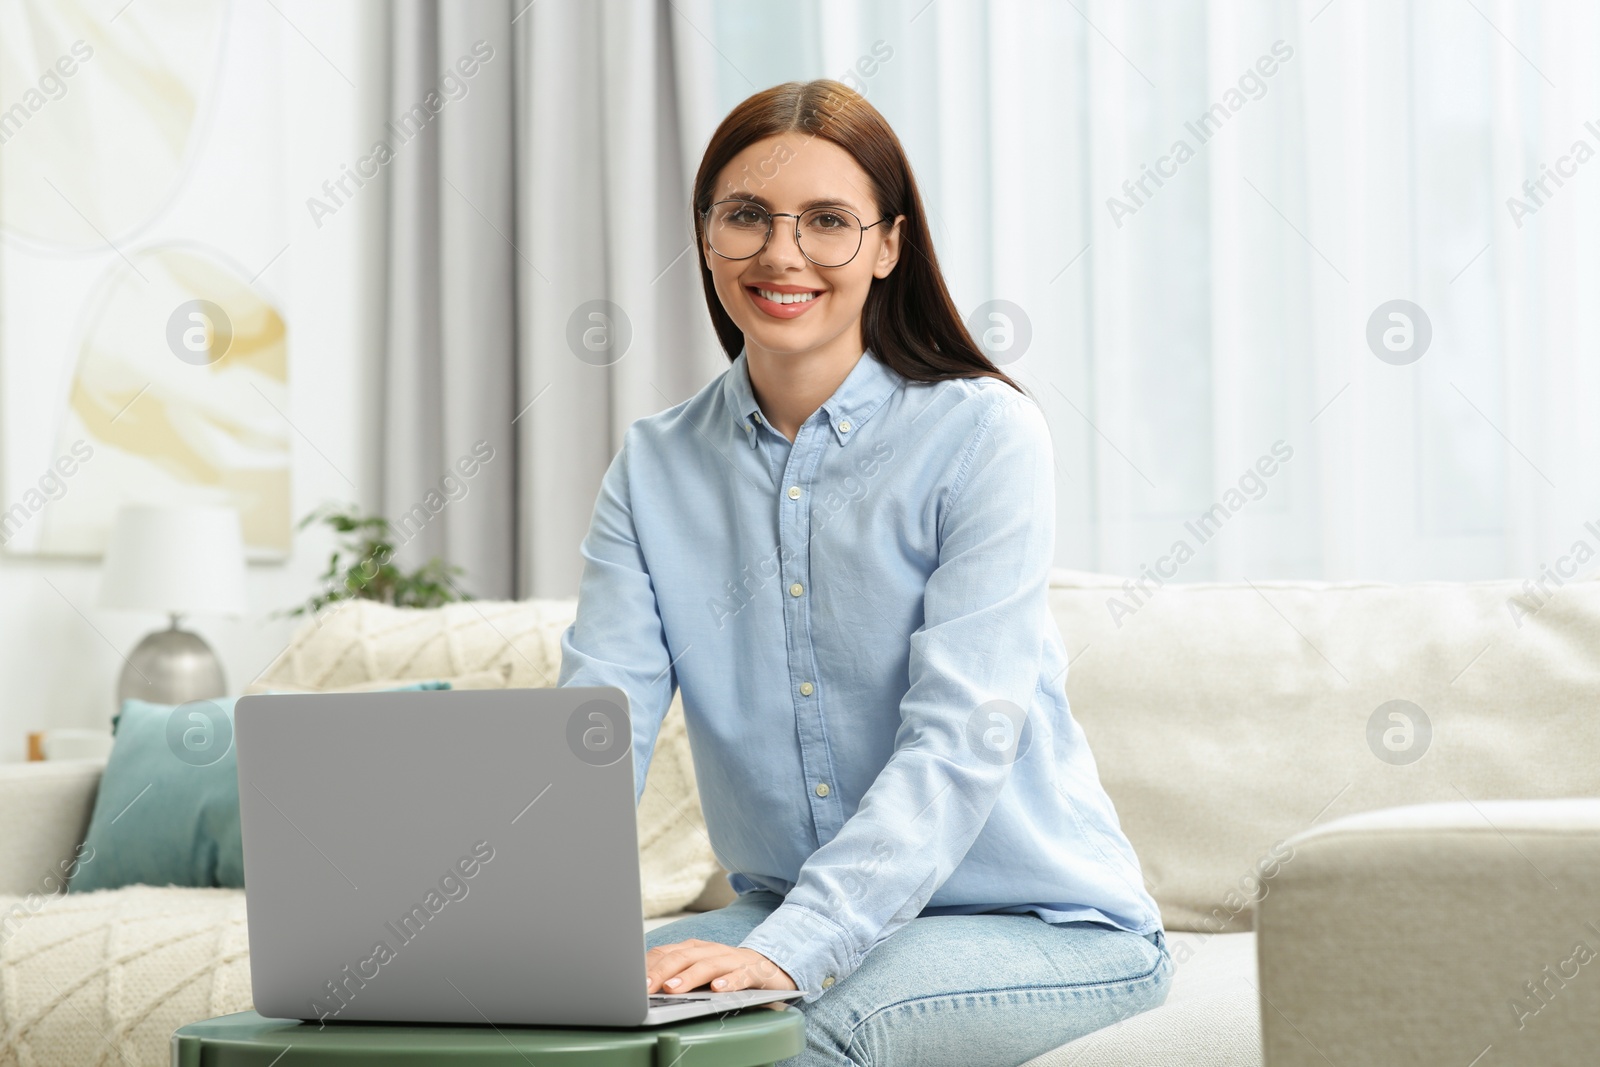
column 756, row 416
column 794, row 492
column 844, row 427
column 806, row 689
column 827, row 983
column 822, row 789
column 796, row 589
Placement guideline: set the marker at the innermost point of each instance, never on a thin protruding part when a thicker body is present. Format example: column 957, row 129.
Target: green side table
column 754, row 1037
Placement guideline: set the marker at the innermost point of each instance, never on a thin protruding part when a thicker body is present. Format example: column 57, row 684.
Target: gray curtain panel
column 543, row 289
column 613, row 321
column 450, row 383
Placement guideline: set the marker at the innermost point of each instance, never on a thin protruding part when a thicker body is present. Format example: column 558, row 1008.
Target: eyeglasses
column 827, row 236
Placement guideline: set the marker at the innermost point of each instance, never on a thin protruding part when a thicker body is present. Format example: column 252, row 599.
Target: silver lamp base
column 171, row 666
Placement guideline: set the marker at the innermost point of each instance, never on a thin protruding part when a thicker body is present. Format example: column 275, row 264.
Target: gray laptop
column 456, row 856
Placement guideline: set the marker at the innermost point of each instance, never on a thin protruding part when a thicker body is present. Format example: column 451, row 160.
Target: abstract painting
column 143, row 349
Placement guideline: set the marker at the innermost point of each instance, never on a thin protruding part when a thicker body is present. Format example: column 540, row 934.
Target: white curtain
column 1185, row 338
column 1233, row 311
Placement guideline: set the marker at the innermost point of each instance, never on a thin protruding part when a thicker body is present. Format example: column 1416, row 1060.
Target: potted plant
column 362, row 566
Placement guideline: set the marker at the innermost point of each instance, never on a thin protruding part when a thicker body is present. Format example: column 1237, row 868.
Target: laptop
column 451, row 856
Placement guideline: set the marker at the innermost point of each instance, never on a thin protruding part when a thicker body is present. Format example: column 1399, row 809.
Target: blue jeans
column 961, row 990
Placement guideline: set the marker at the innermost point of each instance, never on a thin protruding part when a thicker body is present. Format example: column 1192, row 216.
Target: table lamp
column 177, row 560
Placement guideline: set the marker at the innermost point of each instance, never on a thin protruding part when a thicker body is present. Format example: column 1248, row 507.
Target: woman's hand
column 687, row 965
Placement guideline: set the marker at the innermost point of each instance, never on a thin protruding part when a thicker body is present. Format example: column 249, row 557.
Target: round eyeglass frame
column 772, row 216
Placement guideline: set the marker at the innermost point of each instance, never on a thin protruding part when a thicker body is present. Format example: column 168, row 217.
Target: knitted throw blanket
column 102, row 979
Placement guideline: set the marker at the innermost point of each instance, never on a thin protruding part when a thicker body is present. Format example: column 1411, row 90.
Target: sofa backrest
column 1226, row 716
column 46, row 807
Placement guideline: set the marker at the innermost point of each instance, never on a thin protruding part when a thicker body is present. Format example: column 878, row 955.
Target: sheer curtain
column 1206, row 324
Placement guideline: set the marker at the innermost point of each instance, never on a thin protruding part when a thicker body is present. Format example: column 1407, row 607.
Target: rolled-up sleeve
column 617, row 638
column 974, row 669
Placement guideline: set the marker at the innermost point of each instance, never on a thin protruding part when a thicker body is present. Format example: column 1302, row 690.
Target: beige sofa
column 1422, row 889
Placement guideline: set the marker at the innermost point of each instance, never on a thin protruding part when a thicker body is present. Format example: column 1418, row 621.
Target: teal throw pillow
column 167, row 812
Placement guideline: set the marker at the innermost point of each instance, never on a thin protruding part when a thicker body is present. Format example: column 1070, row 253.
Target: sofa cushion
column 1227, row 716
column 356, row 641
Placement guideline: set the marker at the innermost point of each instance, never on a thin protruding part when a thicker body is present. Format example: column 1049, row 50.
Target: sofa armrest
column 44, row 815
column 1431, row 933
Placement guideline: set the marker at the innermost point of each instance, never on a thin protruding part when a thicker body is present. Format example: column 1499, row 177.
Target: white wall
column 60, row 655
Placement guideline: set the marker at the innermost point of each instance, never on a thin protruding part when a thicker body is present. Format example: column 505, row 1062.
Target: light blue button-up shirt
column 873, row 685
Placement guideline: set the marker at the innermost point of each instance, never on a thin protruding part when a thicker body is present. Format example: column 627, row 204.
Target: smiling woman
column 887, row 764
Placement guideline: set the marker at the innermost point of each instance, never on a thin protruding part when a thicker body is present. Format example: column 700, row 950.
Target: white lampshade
column 178, row 560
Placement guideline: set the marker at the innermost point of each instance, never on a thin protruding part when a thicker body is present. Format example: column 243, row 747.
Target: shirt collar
column 858, row 397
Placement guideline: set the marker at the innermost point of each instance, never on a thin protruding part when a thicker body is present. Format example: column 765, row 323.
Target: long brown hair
column 909, row 321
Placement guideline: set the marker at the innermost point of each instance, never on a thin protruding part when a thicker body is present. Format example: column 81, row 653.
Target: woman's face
column 788, row 172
